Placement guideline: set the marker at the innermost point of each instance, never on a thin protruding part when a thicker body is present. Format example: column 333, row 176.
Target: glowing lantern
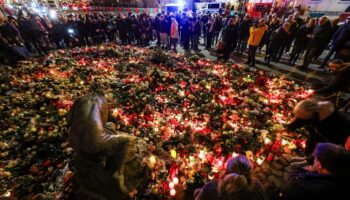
column 172, row 192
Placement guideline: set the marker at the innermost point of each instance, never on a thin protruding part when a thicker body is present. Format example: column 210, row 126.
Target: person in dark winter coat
column 10, row 32
column 243, row 34
column 209, row 33
column 145, row 28
column 186, row 28
column 229, row 37
column 339, row 80
column 339, row 39
column 295, row 23
column 328, row 177
column 196, row 33
column 135, row 28
column 31, row 33
column 323, row 122
column 319, row 41
column 121, row 27
column 278, row 41
column 156, row 27
column 59, row 34
column 301, row 41
column 164, row 32
column 83, row 30
column 238, row 172
column 273, row 26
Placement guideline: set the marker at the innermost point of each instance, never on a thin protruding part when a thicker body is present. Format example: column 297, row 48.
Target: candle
column 201, row 154
column 267, row 140
column 152, row 159
column 173, row 153
column 261, row 159
column 284, row 142
column 172, row 192
column 171, row 185
column 175, row 180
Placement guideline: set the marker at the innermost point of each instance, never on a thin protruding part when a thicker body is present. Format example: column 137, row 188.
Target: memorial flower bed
column 201, row 112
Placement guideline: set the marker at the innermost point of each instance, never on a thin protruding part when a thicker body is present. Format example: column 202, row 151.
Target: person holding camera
column 256, row 33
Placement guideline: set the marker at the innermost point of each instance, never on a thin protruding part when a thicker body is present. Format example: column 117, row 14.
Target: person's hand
column 310, row 168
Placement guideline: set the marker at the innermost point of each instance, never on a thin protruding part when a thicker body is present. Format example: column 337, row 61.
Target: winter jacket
column 244, row 27
column 341, row 36
column 163, row 27
column 300, row 36
column 230, row 34
column 316, row 187
column 256, row 34
column 174, row 31
column 322, row 36
column 278, row 39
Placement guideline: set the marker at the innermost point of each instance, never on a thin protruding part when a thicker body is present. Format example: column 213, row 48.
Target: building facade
column 327, row 6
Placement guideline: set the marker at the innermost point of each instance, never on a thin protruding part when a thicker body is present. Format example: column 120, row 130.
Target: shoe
column 302, row 68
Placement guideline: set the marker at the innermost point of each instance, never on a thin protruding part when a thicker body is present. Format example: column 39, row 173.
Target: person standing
column 209, row 33
column 319, row 41
column 163, row 32
column 243, row 34
column 278, row 40
column 156, row 27
column 229, row 37
column 185, row 32
column 256, row 33
column 301, row 41
column 174, row 33
column 145, row 27
column 121, row 27
column 339, row 39
column 196, row 33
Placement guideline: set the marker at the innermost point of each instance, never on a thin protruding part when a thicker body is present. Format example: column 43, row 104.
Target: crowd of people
column 28, row 34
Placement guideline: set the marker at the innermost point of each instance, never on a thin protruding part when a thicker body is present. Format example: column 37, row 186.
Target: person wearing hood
column 339, row 79
column 319, row 40
column 323, row 123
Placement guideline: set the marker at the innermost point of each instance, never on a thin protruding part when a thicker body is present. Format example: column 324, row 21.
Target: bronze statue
column 108, row 163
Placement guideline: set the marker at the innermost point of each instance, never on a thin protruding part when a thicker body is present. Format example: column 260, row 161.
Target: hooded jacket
column 256, row 34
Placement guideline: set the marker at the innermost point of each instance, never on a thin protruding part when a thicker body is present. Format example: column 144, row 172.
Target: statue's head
column 90, row 102
column 86, row 121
